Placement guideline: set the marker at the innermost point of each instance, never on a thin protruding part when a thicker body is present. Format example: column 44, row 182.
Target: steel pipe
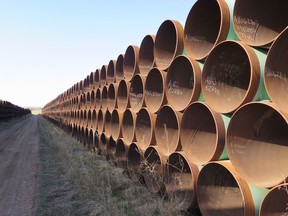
column 135, row 157
column 111, row 97
column 154, row 169
column 146, row 54
column 111, row 72
column 169, row 42
column 111, row 149
column 181, row 177
column 131, row 62
column 183, row 82
column 231, row 76
column 202, row 134
column 98, row 99
column 107, row 124
column 222, row 191
column 100, row 121
column 120, row 68
column 276, row 71
column 207, row 24
column 167, row 131
column 136, row 95
column 155, row 96
column 257, row 140
column 103, row 75
column 128, row 126
column 121, row 154
column 145, row 125
column 275, row 202
column 123, row 96
column 104, row 98
column 97, row 78
column 258, row 23
column 116, row 124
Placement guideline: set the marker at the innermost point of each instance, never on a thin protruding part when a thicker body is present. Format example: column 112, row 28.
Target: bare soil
column 19, row 146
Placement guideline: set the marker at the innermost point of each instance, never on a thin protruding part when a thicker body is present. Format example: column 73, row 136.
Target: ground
column 19, row 146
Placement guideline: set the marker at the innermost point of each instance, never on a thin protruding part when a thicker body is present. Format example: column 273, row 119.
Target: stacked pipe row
column 9, row 111
column 199, row 112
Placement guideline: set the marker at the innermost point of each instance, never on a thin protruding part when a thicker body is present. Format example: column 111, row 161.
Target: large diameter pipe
column 104, row 98
column 145, row 125
column 135, row 157
column 167, row 131
column 155, row 96
column 94, row 120
column 97, row 78
column 231, row 76
column 111, row 150
column 258, row 23
column 222, row 191
column 123, row 96
column 275, row 202
column 169, row 42
column 100, row 121
column 207, row 25
column 103, row 145
column 92, row 98
column 111, row 97
column 276, row 71
column 121, row 154
column 111, row 72
column 120, row 68
column 128, row 126
column 136, row 95
column 257, row 140
column 131, row 62
column 89, row 119
column 116, row 124
column 183, row 82
column 103, row 75
column 107, row 124
column 154, row 169
column 146, row 54
column 202, row 134
column 98, row 99
column 181, row 176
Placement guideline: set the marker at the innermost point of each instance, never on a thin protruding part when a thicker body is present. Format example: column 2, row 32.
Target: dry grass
column 75, row 181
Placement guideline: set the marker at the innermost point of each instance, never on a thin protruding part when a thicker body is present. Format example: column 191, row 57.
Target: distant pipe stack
column 9, row 111
column 199, row 113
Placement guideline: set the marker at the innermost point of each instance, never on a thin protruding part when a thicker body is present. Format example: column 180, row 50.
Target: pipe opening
column 153, row 170
column 121, row 154
column 167, row 130
column 183, row 82
column 136, row 96
column 128, row 126
column 144, row 130
column 202, row 134
column 97, row 78
column 103, row 76
column 98, row 99
column 134, row 159
column 111, row 74
column 122, row 96
column 155, row 90
column 104, row 95
column 120, row 68
column 111, row 97
column 115, row 124
column 207, row 24
column 168, row 43
column 258, row 23
column 146, row 54
column 276, row 71
column 107, row 124
column 257, row 144
column 100, row 121
column 230, row 77
column 181, row 180
column 130, row 64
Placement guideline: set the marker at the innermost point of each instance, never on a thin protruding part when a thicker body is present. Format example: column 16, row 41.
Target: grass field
column 75, row 181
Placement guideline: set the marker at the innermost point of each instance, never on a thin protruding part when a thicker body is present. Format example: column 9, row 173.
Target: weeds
column 75, row 181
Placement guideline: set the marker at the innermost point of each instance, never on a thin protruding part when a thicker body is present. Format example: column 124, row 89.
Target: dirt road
column 18, row 168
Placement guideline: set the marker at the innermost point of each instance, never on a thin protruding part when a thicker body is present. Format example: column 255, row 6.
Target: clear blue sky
column 47, row 46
